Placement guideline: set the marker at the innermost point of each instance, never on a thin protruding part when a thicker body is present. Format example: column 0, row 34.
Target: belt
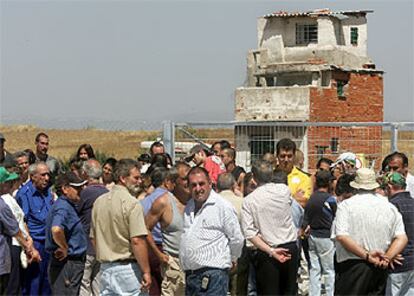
column 126, row 261
column 201, row 270
column 77, row 257
column 284, row 245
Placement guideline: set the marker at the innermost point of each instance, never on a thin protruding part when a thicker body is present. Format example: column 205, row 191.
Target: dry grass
column 64, row 143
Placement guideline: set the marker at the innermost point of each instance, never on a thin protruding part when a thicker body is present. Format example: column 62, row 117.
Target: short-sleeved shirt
column 298, row 180
column 319, row 214
column 18, row 214
column 146, row 205
column 88, row 197
column 63, row 214
column 214, row 166
column 116, row 218
column 8, row 228
column 372, row 222
column 35, row 206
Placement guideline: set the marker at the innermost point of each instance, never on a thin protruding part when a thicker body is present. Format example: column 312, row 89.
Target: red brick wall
column 363, row 102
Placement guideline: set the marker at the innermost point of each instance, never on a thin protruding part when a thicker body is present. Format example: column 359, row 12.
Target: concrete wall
column 278, row 37
column 361, row 24
column 272, row 103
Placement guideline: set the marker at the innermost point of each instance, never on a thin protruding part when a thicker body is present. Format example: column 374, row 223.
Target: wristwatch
column 271, row 251
column 367, row 256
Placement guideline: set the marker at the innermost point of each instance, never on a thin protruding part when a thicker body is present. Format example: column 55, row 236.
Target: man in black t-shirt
column 319, row 214
column 228, row 157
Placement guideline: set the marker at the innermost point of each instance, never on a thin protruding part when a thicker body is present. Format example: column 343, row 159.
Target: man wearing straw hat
column 369, row 234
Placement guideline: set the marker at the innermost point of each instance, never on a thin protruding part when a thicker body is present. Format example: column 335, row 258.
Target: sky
column 124, row 64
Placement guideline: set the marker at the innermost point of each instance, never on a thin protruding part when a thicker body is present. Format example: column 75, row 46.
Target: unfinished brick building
column 310, row 67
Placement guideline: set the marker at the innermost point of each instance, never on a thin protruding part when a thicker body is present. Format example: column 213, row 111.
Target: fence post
column 394, row 137
column 168, row 138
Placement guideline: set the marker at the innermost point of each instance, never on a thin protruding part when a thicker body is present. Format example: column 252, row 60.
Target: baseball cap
column 69, row 179
column 394, row 178
column 325, row 175
column 6, row 176
column 347, row 157
column 2, row 138
column 194, row 150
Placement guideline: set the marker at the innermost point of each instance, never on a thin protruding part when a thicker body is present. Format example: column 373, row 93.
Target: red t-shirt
column 214, row 167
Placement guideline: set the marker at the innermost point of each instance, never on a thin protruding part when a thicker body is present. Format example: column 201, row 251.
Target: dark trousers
column 35, row 280
column 207, row 282
column 358, row 277
column 4, row 278
column 275, row 278
column 66, row 276
column 156, row 278
column 243, row 267
column 13, row 288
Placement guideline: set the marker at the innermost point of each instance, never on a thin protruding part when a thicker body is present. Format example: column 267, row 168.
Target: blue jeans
column 216, row 282
column 121, row 278
column 399, row 284
column 321, row 253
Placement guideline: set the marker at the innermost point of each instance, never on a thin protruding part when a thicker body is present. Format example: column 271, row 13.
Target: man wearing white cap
column 369, row 234
column 347, row 163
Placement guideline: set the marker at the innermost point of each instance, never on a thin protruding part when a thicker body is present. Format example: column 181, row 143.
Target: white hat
column 365, row 179
column 348, row 157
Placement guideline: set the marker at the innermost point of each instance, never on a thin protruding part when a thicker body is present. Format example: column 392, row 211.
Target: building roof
column 316, row 13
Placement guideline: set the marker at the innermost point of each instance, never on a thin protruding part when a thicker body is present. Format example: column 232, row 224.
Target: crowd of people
column 202, row 225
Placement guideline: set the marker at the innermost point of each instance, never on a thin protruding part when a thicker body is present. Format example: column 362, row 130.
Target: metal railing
column 371, row 141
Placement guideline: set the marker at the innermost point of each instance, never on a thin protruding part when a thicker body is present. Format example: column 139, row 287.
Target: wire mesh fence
column 370, row 141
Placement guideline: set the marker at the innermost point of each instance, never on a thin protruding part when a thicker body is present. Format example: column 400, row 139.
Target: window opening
column 306, row 33
column 354, row 36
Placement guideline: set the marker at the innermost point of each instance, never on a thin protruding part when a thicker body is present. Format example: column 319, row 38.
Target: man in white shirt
column 369, row 233
column 267, row 222
column 211, row 240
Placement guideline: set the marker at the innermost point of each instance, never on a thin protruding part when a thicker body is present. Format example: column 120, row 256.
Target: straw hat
column 365, row 179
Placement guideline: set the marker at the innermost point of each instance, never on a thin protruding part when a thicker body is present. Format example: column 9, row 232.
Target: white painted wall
column 361, row 24
column 278, row 37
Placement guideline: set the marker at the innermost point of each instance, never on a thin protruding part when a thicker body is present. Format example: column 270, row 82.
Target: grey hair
column 33, row 167
column 225, row 181
column 262, row 171
column 19, row 154
column 123, row 168
column 93, row 169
